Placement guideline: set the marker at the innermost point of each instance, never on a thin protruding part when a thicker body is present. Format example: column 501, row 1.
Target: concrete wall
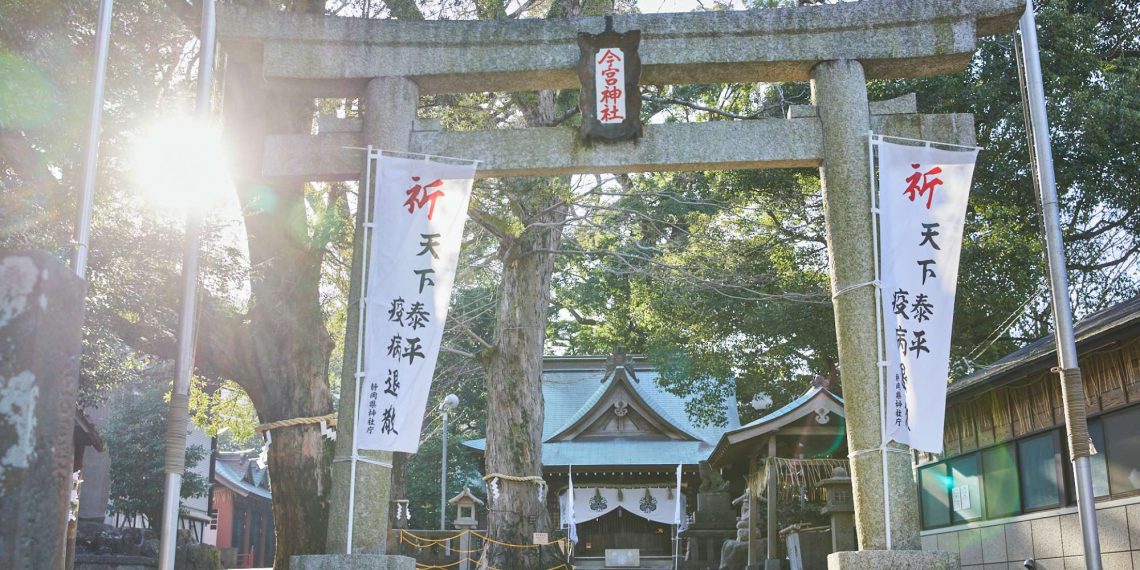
column 1052, row 538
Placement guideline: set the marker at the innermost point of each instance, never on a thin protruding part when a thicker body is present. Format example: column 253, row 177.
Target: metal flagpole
column 443, row 473
column 91, row 159
column 449, row 403
column 677, row 514
column 178, row 420
column 1071, row 385
column 880, row 350
column 368, row 229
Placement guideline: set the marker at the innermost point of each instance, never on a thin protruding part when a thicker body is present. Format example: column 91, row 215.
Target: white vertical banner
column 571, row 519
column 679, row 509
column 418, row 216
column 922, row 208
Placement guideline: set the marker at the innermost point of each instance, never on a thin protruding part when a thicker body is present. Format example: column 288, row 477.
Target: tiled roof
column 251, row 482
column 572, row 386
column 789, row 413
column 787, row 408
column 618, row 451
column 1041, row 354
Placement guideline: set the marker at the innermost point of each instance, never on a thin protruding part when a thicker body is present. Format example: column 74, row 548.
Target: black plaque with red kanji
column 609, row 70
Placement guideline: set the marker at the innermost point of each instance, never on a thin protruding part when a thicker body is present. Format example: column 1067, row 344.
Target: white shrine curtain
column 592, row 502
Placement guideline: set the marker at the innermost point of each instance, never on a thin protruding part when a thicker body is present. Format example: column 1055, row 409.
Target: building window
column 1039, row 464
column 935, row 491
column 966, row 489
column 1097, row 462
column 1003, row 495
column 1029, row 474
column 1122, row 450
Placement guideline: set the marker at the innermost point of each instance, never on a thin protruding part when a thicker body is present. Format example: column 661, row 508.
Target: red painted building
column 244, row 511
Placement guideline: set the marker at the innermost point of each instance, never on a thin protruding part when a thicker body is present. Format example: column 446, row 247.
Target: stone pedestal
column 352, row 562
column 41, row 321
column 714, row 512
column 704, row 547
column 893, row 559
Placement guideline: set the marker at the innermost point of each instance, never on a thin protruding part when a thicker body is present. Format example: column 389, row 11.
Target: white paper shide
column 609, row 85
column 922, row 208
column 418, row 217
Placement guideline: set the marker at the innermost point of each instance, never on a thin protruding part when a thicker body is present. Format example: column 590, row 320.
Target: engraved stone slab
column 623, row 557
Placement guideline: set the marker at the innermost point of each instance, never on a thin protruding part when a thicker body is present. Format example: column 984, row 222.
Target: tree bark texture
column 514, row 381
column 283, row 357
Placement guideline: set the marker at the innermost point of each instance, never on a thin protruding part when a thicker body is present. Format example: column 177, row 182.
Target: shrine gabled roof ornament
column 620, row 359
column 817, row 402
column 619, row 409
column 818, row 407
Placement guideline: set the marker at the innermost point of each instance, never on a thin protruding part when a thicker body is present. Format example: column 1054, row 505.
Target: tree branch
column 486, row 222
column 471, row 334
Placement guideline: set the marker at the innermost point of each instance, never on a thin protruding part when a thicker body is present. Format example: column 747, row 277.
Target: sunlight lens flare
column 179, row 164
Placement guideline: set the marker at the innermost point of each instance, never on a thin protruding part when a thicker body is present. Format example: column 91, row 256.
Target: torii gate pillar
column 391, row 105
column 839, row 91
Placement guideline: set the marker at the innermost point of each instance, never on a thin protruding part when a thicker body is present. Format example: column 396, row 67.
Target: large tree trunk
column 285, row 353
column 514, row 380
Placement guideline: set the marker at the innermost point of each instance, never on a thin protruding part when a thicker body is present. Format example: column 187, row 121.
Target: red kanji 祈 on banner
column 418, row 216
column 922, row 209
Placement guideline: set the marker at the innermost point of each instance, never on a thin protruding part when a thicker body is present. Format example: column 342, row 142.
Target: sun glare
column 179, row 164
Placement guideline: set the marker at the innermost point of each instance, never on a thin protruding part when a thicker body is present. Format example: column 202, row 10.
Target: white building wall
column 1052, row 538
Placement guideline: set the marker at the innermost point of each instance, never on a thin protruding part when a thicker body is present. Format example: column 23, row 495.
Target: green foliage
column 720, row 275
column 1090, row 54
column 135, row 438
column 46, row 57
column 224, row 411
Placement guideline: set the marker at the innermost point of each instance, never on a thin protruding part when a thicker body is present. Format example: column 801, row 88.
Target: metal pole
column 1059, row 288
column 178, row 421
column 91, row 159
column 443, row 475
column 676, row 545
column 354, row 458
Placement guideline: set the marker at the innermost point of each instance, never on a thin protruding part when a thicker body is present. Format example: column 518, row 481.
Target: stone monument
column 713, row 522
column 41, row 327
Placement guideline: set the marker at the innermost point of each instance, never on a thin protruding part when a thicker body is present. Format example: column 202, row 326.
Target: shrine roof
column 1102, row 328
column 575, row 389
column 790, row 409
column 816, row 400
column 617, row 452
column 241, row 475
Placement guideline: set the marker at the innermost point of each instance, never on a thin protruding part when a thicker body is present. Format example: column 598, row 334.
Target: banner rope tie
column 1075, row 420
column 175, row 461
column 855, row 454
column 853, row 286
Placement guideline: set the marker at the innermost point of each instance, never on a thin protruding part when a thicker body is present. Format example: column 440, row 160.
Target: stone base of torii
column 389, row 64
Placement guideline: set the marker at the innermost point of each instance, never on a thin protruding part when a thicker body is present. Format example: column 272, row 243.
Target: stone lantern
column 465, row 509
column 841, row 507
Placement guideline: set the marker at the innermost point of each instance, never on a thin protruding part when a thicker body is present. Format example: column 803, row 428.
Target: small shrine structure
column 779, row 460
column 622, row 436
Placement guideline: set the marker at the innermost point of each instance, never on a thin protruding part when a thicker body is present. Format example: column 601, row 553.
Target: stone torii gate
column 389, row 64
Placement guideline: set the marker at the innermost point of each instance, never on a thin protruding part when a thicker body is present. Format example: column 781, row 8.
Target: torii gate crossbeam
column 390, row 64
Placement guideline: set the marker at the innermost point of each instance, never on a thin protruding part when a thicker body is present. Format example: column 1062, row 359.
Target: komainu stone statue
column 711, row 481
